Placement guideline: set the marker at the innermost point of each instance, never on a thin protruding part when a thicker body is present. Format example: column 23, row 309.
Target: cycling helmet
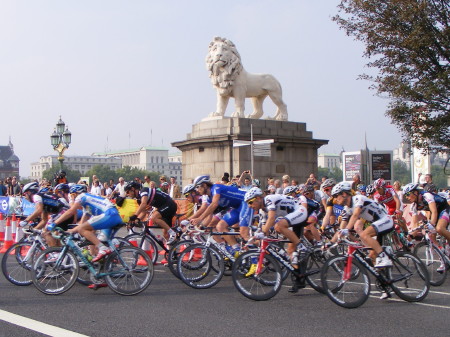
column 361, row 187
column 252, row 193
column 132, row 184
column 78, row 188
column 308, row 188
column 234, row 184
column 32, row 187
column 256, row 183
column 165, row 184
column 328, row 183
column 370, row 190
column 62, row 187
column 410, row 187
column 379, row 183
column 45, row 189
column 188, row 189
column 290, row 189
column 202, row 179
column 341, row 187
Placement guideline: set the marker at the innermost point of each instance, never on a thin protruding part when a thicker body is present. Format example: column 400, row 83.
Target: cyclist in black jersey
column 162, row 215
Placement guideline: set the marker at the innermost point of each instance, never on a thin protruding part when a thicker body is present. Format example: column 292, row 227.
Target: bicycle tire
column 432, row 258
column 261, row 287
column 413, row 288
column 146, row 243
column 174, row 253
column 200, row 267
column 17, row 262
column 314, row 265
column 55, row 277
column 350, row 293
column 129, row 271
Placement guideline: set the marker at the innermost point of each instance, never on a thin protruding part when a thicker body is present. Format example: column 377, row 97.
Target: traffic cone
column 148, row 249
column 8, row 237
column 19, row 234
column 2, row 227
column 13, row 226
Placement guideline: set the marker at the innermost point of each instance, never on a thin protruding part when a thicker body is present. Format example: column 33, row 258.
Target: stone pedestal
column 208, row 149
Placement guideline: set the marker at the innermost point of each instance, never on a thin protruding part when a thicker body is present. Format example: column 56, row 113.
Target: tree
column 335, row 173
column 104, row 173
column 439, row 177
column 401, row 172
column 71, row 175
column 408, row 41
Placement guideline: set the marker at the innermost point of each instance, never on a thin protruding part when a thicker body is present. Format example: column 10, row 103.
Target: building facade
column 329, row 160
column 81, row 164
column 9, row 162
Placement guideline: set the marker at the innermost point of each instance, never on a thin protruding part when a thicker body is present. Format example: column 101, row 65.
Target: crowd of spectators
column 10, row 187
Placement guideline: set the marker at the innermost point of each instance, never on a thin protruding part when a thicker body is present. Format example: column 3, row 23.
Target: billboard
column 381, row 165
column 351, row 164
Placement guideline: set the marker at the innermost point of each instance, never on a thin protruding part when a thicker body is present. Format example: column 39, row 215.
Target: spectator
column 174, row 188
column 428, row 180
column 106, row 190
column 2, row 188
column 245, row 181
column 397, row 188
column 294, row 182
column 146, row 182
column 312, row 180
column 356, row 181
column 277, row 184
column 111, row 184
column 286, row 181
column 96, row 189
column 15, row 189
column 119, row 190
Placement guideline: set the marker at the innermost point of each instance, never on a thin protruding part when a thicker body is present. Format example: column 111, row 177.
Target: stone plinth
column 208, row 149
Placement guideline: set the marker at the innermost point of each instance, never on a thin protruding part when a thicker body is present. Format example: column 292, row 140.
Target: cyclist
column 361, row 189
column 386, row 195
column 164, row 209
column 333, row 210
column 98, row 213
column 360, row 207
column 435, row 204
column 370, row 190
column 306, row 199
column 282, row 212
column 229, row 198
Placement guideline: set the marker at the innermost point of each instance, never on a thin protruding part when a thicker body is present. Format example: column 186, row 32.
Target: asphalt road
column 170, row 308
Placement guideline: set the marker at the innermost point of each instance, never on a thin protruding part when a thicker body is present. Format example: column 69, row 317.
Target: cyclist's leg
column 245, row 220
column 442, row 224
column 231, row 218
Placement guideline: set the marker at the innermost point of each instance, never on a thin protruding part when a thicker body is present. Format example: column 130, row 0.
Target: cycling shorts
column 445, row 216
column 168, row 211
column 109, row 219
column 246, row 215
column 383, row 225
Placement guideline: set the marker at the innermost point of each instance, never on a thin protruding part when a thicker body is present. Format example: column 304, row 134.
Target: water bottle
column 294, row 260
column 302, row 251
column 87, row 254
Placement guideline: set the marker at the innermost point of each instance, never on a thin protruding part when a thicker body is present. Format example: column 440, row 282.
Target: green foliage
column 401, row 172
column 71, row 175
column 335, row 173
column 104, row 173
column 439, row 177
column 409, row 43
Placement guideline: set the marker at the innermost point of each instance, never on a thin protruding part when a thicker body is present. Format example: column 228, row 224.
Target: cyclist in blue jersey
column 229, row 197
column 98, row 213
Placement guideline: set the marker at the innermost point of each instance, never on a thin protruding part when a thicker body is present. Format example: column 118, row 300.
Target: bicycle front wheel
column 200, row 267
column 434, row 262
column 409, row 277
column 145, row 243
column 55, row 273
column 263, row 286
column 347, row 285
column 174, row 253
column 314, row 266
column 129, row 271
column 17, row 262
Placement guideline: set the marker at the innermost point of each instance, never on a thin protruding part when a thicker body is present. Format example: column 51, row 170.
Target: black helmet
column 132, row 184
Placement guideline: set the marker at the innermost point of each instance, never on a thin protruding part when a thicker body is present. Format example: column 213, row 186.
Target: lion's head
column 223, row 63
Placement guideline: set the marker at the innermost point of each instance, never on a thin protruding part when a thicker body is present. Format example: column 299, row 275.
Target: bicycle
column 436, row 262
column 345, row 278
column 265, row 281
column 127, row 270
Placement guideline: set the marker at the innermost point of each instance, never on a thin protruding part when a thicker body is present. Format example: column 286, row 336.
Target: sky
column 127, row 74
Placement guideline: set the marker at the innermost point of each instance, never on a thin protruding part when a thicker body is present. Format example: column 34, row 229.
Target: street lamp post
column 60, row 140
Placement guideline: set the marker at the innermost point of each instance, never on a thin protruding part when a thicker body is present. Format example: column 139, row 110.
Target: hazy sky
column 132, row 73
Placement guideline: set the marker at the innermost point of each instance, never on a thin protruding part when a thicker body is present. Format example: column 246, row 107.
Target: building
column 149, row 159
column 402, row 153
column 9, row 162
column 81, row 164
column 329, row 160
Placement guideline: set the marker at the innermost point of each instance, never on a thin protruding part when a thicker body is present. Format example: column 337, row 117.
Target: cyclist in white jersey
column 360, row 207
column 98, row 213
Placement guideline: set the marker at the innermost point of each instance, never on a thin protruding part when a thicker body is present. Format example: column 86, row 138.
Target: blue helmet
column 361, row 187
column 78, row 188
column 202, row 179
column 62, row 187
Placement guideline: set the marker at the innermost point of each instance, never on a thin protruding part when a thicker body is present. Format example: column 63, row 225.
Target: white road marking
column 37, row 326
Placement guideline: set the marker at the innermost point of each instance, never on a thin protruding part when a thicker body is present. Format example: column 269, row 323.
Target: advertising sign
column 351, row 164
column 381, row 165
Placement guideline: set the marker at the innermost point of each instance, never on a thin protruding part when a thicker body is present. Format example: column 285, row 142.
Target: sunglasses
column 327, row 189
column 251, row 201
column 407, row 194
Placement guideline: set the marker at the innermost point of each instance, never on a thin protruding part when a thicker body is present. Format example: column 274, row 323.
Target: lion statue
column 230, row 79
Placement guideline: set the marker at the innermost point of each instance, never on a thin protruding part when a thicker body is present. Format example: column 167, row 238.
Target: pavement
column 170, row 308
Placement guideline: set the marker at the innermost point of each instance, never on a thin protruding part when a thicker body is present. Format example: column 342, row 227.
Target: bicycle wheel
column 259, row 287
column 348, row 291
column 145, row 243
column 55, row 274
column 17, row 262
column 174, row 253
column 200, row 267
column 433, row 259
column 129, row 271
column 409, row 277
column 314, row 266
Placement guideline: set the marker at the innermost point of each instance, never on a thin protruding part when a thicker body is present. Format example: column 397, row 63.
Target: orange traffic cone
column 2, row 227
column 19, row 234
column 8, row 237
column 13, row 226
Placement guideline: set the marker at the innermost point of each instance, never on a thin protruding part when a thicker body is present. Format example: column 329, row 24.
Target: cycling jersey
column 51, row 202
column 427, row 198
column 337, row 209
column 230, row 196
column 103, row 213
column 162, row 201
column 387, row 199
column 371, row 211
column 312, row 206
column 285, row 207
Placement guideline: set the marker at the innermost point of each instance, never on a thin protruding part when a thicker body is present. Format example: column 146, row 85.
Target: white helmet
column 252, row 193
column 202, row 179
column 32, row 187
column 328, row 183
column 290, row 189
column 410, row 187
column 343, row 186
column 188, row 189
